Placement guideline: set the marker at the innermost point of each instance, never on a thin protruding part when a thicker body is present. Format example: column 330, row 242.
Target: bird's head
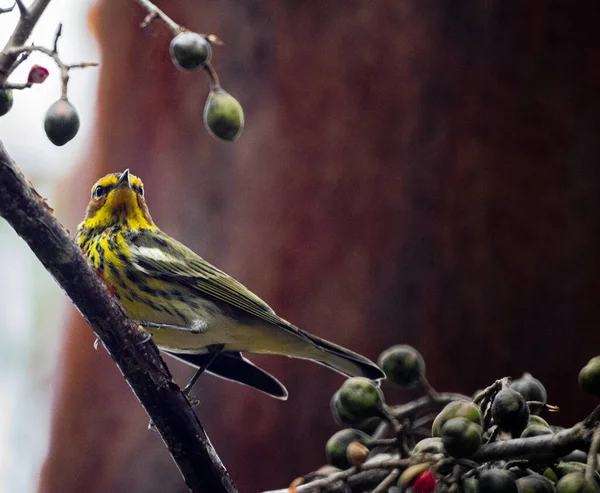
column 118, row 198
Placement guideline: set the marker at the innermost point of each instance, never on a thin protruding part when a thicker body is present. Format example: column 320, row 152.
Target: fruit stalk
column 592, row 463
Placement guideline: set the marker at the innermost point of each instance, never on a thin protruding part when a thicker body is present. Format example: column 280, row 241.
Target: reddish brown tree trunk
column 411, row 172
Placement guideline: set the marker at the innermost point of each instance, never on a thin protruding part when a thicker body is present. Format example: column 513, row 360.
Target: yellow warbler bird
column 194, row 311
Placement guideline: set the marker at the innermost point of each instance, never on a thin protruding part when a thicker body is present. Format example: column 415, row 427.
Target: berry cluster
column 494, row 442
column 223, row 114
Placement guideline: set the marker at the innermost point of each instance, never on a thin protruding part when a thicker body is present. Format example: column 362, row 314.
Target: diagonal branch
column 135, row 354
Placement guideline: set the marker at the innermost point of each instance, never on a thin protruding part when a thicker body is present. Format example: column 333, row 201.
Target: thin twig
column 154, row 12
column 425, row 404
column 387, row 482
column 136, row 356
column 22, row 7
column 28, row 20
column 56, row 38
column 493, row 435
column 9, row 9
column 399, row 431
column 540, row 448
column 11, row 85
column 492, row 389
column 382, row 461
column 592, row 461
column 428, row 389
column 212, row 75
column 63, row 67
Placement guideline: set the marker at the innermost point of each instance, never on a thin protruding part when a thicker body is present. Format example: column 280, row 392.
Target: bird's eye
column 98, row 192
column 141, row 191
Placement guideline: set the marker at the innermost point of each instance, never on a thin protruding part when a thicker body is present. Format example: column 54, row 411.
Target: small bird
column 194, row 311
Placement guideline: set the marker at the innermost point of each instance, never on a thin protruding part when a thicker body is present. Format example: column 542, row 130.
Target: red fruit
column 37, row 74
column 425, row 483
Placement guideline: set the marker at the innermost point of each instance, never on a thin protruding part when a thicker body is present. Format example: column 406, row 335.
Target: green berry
column 535, row 483
column 536, row 431
column 575, row 456
column 565, row 468
column 589, row 377
column 461, row 437
column 343, row 418
column 456, row 409
column 432, row 445
column 402, row 365
column 6, row 101
column 337, row 446
column 536, row 420
column 497, row 481
column 61, row 122
column 190, row 51
column 510, row 411
column 574, row 482
column 530, row 388
column 470, row 485
column 551, row 475
column 360, row 398
column 223, row 115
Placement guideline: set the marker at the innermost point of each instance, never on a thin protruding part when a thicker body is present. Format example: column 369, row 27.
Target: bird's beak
column 124, row 180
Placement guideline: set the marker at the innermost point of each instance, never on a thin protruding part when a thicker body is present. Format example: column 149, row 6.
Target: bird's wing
column 159, row 256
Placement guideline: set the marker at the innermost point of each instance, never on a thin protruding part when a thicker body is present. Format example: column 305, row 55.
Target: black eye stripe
column 101, row 190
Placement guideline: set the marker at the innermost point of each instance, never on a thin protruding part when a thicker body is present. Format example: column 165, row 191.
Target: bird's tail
column 341, row 359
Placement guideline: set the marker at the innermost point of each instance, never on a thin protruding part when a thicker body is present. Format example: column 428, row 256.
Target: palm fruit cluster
column 445, row 451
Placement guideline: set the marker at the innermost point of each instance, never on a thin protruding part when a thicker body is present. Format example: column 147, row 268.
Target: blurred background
column 410, row 172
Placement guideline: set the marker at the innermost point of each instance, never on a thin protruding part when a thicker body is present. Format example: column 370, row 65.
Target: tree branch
column 9, row 9
column 592, row 462
column 540, row 448
column 371, row 472
column 376, row 471
column 63, row 67
column 134, row 353
column 425, row 404
column 154, row 12
column 20, row 35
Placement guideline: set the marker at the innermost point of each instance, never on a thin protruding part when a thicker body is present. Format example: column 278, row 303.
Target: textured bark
column 415, row 172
